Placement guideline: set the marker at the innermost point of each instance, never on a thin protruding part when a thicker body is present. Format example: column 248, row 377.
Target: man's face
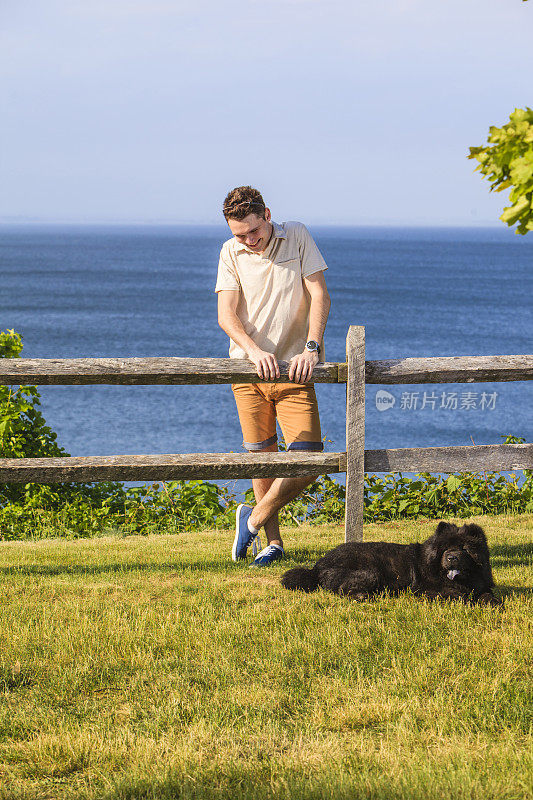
column 252, row 231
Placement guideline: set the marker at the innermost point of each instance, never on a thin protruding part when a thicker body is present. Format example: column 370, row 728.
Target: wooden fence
column 355, row 461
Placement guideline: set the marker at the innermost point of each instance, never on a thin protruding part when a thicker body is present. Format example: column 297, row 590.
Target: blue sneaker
column 271, row 553
column 243, row 537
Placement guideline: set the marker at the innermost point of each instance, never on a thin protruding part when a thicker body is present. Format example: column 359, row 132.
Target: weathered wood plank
column 208, row 466
column 454, row 369
column 495, row 457
column 179, row 371
column 355, row 433
column 212, row 466
column 143, row 371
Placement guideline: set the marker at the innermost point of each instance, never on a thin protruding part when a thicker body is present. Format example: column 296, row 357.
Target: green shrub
column 25, row 434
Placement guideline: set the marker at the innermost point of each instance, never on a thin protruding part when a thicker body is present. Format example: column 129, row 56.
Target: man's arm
column 265, row 363
column 301, row 366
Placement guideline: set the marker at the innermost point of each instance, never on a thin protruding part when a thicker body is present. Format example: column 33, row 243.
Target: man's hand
column 265, row 364
column 301, row 367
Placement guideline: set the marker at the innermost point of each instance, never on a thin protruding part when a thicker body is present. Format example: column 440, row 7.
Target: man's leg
column 297, row 412
column 281, row 492
column 261, row 488
column 255, row 406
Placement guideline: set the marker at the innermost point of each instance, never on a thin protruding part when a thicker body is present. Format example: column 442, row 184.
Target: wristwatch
column 312, row 346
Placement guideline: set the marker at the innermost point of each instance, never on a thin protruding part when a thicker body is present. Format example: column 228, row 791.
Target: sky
column 350, row 112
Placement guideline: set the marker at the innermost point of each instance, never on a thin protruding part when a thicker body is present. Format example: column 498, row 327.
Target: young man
column 273, row 304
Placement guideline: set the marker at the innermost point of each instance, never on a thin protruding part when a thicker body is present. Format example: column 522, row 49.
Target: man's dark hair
column 242, row 201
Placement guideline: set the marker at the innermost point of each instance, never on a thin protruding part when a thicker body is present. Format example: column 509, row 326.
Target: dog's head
column 459, row 554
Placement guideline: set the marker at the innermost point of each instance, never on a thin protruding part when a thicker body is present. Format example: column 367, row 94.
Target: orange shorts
column 295, row 407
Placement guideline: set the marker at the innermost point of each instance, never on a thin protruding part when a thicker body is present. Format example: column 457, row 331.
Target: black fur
column 453, row 563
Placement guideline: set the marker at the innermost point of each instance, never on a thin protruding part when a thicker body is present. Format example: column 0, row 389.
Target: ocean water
column 148, row 291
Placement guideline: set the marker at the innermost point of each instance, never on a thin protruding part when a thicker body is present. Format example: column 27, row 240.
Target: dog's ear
column 477, row 548
column 474, row 532
column 446, row 529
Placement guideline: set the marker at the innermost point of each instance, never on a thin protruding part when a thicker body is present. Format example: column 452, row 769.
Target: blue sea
column 148, row 291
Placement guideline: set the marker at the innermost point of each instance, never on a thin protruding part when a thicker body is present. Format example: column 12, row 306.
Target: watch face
column 311, row 345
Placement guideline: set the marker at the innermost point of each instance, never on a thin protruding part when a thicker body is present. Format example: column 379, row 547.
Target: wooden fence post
column 355, row 433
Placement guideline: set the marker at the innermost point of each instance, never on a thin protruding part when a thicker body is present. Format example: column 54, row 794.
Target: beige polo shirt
column 273, row 305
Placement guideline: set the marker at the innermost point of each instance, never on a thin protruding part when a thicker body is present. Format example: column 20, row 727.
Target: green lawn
column 155, row 668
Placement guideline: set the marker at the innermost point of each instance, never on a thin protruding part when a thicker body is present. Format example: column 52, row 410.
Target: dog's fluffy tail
column 306, row 580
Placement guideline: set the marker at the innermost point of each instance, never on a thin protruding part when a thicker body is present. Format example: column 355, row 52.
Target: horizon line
column 16, row 222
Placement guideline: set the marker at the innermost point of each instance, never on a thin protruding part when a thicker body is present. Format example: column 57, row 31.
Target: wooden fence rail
column 355, row 373
column 260, row 465
column 181, row 371
column 144, row 371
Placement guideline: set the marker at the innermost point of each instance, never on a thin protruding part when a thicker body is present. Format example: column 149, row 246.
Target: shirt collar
column 277, row 233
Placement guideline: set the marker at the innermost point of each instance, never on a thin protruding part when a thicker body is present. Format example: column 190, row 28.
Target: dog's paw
column 488, row 599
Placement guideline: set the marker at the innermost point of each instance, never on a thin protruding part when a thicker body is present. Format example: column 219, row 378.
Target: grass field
column 155, row 668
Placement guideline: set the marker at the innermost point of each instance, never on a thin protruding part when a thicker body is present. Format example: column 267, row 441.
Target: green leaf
column 453, row 483
column 507, row 163
column 512, row 213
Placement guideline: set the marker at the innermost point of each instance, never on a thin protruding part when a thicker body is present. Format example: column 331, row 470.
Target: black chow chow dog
column 453, row 563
